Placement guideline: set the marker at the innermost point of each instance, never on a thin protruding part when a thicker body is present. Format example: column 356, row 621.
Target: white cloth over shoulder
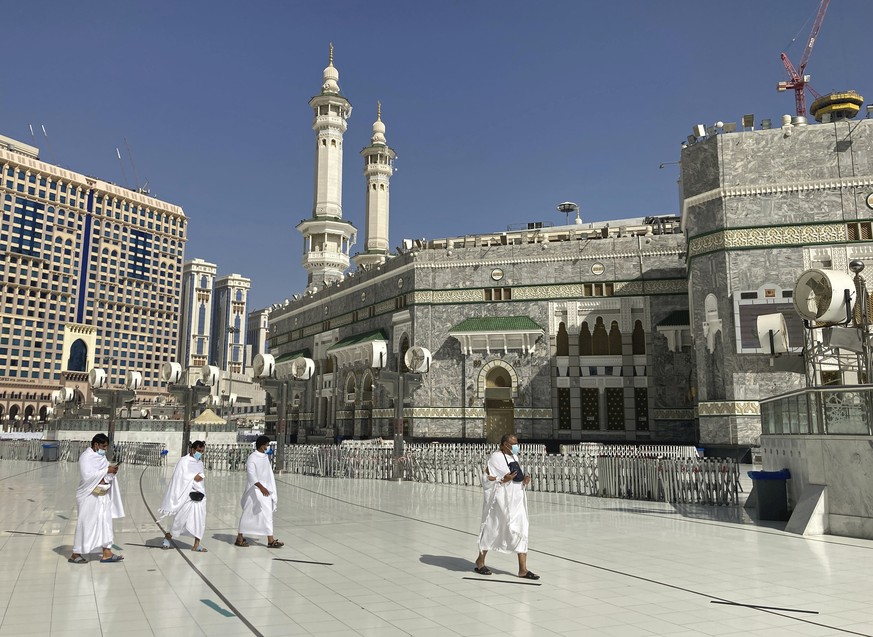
column 189, row 517
column 257, row 509
column 96, row 512
column 504, row 510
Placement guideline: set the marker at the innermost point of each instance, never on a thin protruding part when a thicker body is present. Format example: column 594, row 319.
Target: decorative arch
column 78, row 356
column 350, row 385
column 484, row 374
column 29, row 411
column 404, row 346
column 562, row 341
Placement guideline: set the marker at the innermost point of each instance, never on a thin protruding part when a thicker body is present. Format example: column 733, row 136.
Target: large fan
column 133, row 380
column 264, row 365
column 302, row 368
column 418, row 359
column 171, row 372
column 97, row 377
column 210, row 375
column 773, row 333
column 824, row 296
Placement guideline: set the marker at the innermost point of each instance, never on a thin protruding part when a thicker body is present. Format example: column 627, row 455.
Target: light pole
column 231, row 331
column 567, row 207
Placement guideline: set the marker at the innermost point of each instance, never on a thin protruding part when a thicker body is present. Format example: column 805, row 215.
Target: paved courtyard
column 384, row 558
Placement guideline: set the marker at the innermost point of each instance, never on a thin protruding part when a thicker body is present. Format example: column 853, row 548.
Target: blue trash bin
column 772, row 493
column 50, row 452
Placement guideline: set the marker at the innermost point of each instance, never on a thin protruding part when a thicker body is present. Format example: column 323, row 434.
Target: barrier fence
column 670, row 474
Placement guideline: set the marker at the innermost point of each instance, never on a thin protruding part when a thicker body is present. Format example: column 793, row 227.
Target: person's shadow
column 448, row 562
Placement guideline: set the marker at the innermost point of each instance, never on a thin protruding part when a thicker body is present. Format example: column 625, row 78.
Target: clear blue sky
column 498, row 110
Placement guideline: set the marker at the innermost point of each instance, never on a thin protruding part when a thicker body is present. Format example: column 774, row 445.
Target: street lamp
column 171, row 373
column 230, row 397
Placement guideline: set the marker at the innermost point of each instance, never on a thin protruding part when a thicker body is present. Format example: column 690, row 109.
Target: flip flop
column 529, row 575
column 200, row 549
column 165, row 544
column 111, row 558
column 483, row 570
column 77, row 560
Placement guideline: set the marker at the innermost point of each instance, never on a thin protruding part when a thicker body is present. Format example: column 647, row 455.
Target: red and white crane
column 798, row 81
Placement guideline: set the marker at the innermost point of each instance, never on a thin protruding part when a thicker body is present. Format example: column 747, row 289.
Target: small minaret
column 378, row 168
column 326, row 236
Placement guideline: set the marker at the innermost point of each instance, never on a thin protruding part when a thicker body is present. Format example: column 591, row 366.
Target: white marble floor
column 384, row 558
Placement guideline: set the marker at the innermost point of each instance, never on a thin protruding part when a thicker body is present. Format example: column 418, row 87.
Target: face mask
column 515, row 450
column 102, row 452
column 197, row 455
column 269, row 451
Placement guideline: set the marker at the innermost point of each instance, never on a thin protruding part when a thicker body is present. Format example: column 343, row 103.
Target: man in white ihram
column 99, row 501
column 504, row 511
column 259, row 500
column 185, row 498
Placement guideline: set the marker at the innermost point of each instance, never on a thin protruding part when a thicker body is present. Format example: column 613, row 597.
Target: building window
column 585, row 342
column 590, row 408
column 563, row 408
column 639, row 339
column 27, row 226
column 140, row 253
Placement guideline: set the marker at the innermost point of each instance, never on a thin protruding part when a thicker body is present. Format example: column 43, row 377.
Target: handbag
column 515, row 468
column 197, row 496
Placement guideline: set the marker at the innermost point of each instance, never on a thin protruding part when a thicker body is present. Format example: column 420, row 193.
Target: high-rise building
column 92, row 276
column 229, row 323
column 198, row 280
column 257, row 332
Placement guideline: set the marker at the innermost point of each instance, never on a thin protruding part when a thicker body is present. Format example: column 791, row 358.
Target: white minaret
column 378, row 168
column 326, row 236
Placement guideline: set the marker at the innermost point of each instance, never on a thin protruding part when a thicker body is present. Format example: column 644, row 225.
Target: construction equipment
column 798, row 81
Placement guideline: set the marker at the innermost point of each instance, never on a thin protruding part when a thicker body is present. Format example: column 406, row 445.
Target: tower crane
column 798, row 81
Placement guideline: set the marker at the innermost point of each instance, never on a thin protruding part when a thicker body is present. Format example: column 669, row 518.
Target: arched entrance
column 499, row 408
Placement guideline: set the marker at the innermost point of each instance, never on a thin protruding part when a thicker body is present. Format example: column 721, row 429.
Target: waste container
column 50, row 452
column 770, row 488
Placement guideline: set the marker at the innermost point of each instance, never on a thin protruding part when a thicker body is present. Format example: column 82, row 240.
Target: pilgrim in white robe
column 96, row 512
column 504, row 510
column 189, row 517
column 257, row 509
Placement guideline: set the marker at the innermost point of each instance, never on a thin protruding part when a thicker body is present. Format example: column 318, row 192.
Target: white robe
column 504, row 510
column 257, row 509
column 189, row 517
column 94, row 524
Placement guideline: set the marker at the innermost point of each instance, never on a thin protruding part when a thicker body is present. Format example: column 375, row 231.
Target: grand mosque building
column 637, row 330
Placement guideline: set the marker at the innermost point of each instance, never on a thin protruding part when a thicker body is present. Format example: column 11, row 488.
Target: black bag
column 196, row 496
column 514, row 467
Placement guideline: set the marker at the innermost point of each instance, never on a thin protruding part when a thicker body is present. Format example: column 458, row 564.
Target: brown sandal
column 244, row 542
column 275, row 544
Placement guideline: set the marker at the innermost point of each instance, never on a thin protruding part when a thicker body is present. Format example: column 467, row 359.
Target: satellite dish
column 97, row 377
column 133, row 380
column 418, row 359
column 171, row 373
column 264, row 365
column 210, row 375
column 775, row 324
column 824, row 296
column 302, row 368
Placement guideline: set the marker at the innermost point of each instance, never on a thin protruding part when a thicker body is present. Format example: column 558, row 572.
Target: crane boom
column 797, row 80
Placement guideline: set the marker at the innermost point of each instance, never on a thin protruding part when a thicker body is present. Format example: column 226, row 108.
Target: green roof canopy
column 678, row 318
column 290, row 356
column 497, row 324
column 376, row 335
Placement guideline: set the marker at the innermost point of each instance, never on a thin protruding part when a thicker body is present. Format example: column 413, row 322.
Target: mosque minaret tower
column 378, row 168
column 326, row 236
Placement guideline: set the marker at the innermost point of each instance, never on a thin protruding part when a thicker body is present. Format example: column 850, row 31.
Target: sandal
column 200, row 549
column 529, row 575
column 483, row 570
column 243, row 542
column 77, row 560
column 111, row 559
column 165, row 544
column 275, row 544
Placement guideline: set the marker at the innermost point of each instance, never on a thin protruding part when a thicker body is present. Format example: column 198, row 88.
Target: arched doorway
column 78, row 356
column 499, row 408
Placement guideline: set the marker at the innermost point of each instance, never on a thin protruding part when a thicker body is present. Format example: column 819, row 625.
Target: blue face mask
column 269, row 451
column 515, row 450
column 102, row 452
column 197, row 455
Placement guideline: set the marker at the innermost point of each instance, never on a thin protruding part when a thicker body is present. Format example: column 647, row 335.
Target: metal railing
column 846, row 409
